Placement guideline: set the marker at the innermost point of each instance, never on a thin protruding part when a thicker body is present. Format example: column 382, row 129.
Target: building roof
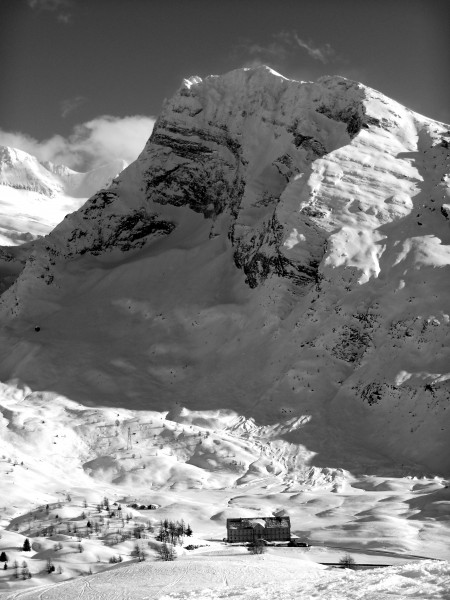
column 266, row 522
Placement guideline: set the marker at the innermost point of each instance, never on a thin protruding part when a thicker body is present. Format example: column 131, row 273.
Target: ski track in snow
column 262, row 577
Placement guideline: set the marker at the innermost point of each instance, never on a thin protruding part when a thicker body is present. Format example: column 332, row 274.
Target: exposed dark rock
column 124, row 232
column 372, row 393
column 197, row 185
column 202, row 178
column 259, row 255
column 98, row 202
column 351, row 116
column 267, row 199
column 313, row 211
column 445, row 210
column 353, row 342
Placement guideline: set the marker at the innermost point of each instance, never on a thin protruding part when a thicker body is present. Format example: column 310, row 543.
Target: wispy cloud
column 274, row 49
column 324, row 53
column 70, row 104
column 65, row 18
column 90, row 144
column 49, row 4
column 60, row 7
column 286, row 44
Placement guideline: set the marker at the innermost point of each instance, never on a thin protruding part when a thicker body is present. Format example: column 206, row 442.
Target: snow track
column 251, row 578
column 148, row 581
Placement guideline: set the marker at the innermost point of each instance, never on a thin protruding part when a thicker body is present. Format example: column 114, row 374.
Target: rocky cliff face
column 284, row 246
column 238, row 153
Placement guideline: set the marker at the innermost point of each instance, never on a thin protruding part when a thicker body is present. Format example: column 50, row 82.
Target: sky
column 82, row 81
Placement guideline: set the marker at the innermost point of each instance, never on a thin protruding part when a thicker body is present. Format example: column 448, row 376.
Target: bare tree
column 166, row 552
column 139, row 552
column 258, row 547
column 347, row 562
column 25, row 571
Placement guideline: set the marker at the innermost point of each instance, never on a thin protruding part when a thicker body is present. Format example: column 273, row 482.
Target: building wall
column 248, row 534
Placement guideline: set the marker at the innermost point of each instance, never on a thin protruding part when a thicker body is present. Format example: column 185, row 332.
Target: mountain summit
column 276, row 260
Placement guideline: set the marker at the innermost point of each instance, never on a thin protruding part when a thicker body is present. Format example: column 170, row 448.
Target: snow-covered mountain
column 35, row 196
column 265, row 290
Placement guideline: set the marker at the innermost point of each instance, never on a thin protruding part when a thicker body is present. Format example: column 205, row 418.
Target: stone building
column 270, row 529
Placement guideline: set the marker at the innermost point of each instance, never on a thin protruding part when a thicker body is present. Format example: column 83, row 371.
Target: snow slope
column 250, row 578
column 261, row 301
column 35, row 197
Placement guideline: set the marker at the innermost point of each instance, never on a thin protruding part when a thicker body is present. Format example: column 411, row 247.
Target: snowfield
column 250, row 578
column 48, row 443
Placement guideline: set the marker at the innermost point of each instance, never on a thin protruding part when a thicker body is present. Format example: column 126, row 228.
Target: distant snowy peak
column 21, row 170
column 35, row 196
column 83, row 185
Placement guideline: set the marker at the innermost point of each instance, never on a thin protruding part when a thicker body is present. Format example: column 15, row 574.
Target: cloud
column 70, row 104
column 90, row 144
column 285, row 45
column 323, row 53
column 65, row 18
column 50, row 5
column 274, row 49
column 57, row 6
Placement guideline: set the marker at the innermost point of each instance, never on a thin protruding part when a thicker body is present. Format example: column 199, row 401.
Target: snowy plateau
column 251, row 320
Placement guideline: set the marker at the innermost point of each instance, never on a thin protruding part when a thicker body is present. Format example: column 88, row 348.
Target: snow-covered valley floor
column 203, row 470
